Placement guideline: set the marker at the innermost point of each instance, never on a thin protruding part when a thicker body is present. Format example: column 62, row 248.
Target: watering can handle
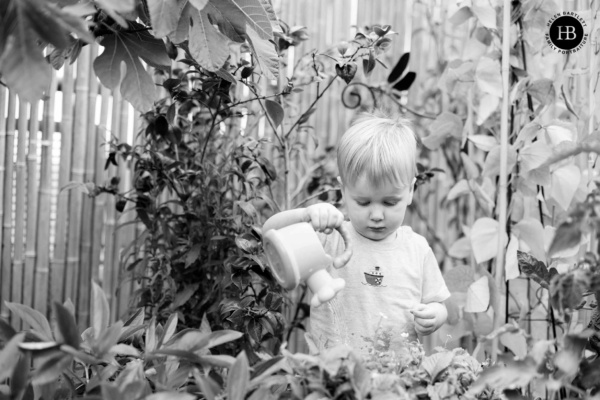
column 341, row 260
column 300, row 215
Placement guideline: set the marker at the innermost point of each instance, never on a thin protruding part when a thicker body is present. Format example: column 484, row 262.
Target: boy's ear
column 412, row 190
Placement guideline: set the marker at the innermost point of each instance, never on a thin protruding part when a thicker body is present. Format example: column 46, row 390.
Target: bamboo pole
column 32, row 206
column 5, row 269
column 3, row 95
column 7, row 221
column 45, row 198
column 57, row 266
column 110, row 246
column 100, row 178
column 502, row 184
column 20, row 216
column 77, row 170
column 87, row 223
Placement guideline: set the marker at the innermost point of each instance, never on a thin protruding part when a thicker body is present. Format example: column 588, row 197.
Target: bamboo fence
column 54, row 243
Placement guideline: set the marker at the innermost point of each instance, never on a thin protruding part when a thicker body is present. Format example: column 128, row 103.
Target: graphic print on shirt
column 374, row 278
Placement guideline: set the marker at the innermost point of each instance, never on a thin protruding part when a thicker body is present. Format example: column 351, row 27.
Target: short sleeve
column 433, row 287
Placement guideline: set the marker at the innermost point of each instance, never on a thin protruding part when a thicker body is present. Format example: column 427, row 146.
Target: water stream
column 339, row 324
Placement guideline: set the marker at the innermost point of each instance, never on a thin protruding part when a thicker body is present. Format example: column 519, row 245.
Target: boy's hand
column 324, row 217
column 429, row 317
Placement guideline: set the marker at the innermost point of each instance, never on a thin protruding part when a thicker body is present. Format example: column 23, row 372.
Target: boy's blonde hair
column 382, row 148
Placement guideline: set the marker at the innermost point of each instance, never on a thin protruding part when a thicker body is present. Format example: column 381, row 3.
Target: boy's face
column 376, row 212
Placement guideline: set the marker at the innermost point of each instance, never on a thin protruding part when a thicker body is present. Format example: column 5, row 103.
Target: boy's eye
column 362, row 203
column 391, row 203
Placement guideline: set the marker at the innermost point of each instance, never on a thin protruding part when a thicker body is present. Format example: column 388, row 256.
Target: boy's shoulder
column 413, row 237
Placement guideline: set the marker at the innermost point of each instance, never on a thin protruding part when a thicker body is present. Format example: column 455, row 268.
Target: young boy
column 394, row 287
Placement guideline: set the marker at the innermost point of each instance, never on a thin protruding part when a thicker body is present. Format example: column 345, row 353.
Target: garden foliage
column 144, row 359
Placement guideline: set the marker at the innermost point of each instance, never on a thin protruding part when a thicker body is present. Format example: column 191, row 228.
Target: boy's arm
column 322, row 216
column 429, row 317
column 283, row 219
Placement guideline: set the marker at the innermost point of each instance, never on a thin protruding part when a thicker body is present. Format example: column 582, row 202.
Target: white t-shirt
column 383, row 282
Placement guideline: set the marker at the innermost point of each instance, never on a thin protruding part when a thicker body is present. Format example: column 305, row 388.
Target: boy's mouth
column 377, row 229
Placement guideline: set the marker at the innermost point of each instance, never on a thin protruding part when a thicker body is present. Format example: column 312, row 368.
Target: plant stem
column 209, row 134
column 333, row 189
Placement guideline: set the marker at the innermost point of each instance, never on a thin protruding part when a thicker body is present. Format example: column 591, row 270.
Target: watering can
column 295, row 255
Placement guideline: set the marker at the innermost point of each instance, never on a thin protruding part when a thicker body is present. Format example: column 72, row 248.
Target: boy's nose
column 376, row 216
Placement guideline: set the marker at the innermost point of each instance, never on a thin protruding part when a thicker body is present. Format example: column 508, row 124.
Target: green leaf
column 182, row 29
column 210, row 389
column 165, row 15
column 246, row 14
column 100, row 310
column 238, row 378
column 533, row 268
column 193, row 255
column 109, row 338
column 137, row 86
column 484, row 239
column 515, row 374
column 446, row 125
column 151, row 336
column 67, row 328
column 208, row 46
column 169, row 330
column 511, row 266
column 565, row 241
column 516, row 342
column 461, row 16
column 124, row 349
column 275, row 112
column 20, row 376
column 488, row 104
column 437, row 363
column 531, row 231
column 567, row 290
column 567, row 359
column 406, row 82
column 265, row 53
column 6, row 331
column 483, row 142
column 560, row 131
column 485, row 14
column 171, row 396
column 459, row 189
column 51, row 368
column 461, row 248
column 399, row 68
column 534, row 155
column 228, row 24
column 199, row 4
column 184, row 295
column 458, row 279
column 489, row 77
column 114, row 8
column 9, row 356
column 478, row 296
column 22, row 66
column 564, row 183
column 491, row 166
column 33, row 318
column 53, row 25
column 368, row 64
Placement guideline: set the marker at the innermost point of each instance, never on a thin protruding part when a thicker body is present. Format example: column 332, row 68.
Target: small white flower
column 404, row 334
column 383, row 315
